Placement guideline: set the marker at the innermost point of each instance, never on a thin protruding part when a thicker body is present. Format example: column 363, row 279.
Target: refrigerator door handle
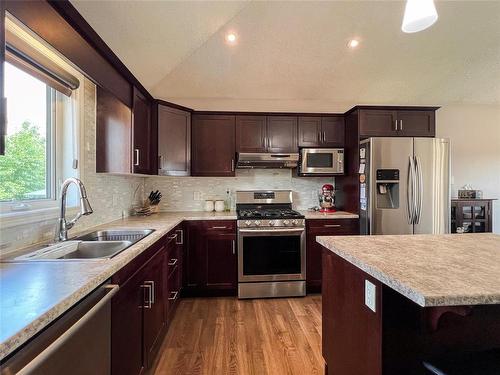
column 410, row 191
column 420, row 187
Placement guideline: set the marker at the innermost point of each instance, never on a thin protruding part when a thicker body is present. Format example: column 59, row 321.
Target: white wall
column 474, row 131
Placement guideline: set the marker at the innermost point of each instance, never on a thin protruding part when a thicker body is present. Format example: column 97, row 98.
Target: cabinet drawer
column 219, row 225
column 333, row 226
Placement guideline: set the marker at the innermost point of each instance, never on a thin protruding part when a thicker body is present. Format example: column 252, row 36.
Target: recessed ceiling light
column 353, row 43
column 231, row 38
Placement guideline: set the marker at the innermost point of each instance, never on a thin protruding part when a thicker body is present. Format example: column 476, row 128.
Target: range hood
column 267, row 160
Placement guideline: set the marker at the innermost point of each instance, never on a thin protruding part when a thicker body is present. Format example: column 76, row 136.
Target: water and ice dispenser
column 387, row 186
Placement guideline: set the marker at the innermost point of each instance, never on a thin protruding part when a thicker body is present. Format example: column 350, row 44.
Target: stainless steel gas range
column 271, row 245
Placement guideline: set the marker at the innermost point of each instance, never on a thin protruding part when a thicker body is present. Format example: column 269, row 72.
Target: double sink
column 103, row 244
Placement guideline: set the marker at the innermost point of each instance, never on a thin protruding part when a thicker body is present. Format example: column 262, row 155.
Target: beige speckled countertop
column 33, row 294
column 312, row 215
column 431, row 270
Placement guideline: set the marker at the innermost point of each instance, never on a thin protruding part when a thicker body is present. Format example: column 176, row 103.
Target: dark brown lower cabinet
column 140, row 308
column 211, row 266
column 323, row 227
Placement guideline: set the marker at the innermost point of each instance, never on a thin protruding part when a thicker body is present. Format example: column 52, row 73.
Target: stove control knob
column 257, row 222
column 272, row 223
column 248, row 223
column 286, row 222
column 295, row 222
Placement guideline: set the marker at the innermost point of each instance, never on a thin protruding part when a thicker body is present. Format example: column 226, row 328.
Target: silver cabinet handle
column 174, row 297
column 324, row 136
column 180, row 237
column 218, row 227
column 332, row 225
column 401, row 125
column 396, row 125
column 172, row 262
column 148, row 304
column 232, row 165
column 172, row 236
column 152, row 293
column 160, row 164
column 136, row 151
column 32, row 366
column 234, row 247
column 288, row 230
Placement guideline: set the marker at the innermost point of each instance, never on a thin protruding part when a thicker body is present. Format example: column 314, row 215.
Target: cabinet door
column 309, row 131
column 221, row 270
column 250, row 133
column 154, row 310
column 377, row 123
column 417, row 123
column 174, row 142
column 142, row 134
column 327, row 227
column 213, row 148
column 126, row 328
column 333, row 130
column 113, row 134
column 282, row 134
column 193, row 256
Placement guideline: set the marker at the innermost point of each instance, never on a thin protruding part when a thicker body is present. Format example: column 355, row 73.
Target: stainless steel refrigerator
column 404, row 185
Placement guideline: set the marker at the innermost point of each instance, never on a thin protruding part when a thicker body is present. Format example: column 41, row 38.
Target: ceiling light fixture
column 353, row 43
column 231, row 38
column 419, row 15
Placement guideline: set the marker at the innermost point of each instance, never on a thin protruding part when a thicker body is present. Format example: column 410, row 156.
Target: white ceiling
column 294, row 55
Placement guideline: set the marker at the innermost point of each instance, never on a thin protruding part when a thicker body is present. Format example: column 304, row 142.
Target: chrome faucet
column 85, row 209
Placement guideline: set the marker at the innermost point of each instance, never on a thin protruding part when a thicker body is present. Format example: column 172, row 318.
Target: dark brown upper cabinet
column 141, row 119
column 397, row 123
column 251, row 133
column 266, row 134
column 113, row 134
column 213, row 145
column 316, row 131
column 282, row 134
column 174, row 141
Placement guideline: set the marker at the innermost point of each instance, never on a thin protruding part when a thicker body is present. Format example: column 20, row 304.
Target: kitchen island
column 390, row 302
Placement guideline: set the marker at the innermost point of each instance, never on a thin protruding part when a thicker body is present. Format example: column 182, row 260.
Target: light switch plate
column 370, row 295
column 197, row 196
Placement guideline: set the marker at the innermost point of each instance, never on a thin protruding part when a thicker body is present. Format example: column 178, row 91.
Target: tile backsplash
column 189, row 193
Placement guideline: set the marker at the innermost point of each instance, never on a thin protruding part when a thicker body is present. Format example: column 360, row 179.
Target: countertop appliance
column 404, row 185
column 267, row 160
column 326, row 198
column 321, row 161
column 271, row 245
column 79, row 342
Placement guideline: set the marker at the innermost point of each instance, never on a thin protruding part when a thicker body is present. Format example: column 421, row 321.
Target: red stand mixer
column 327, row 199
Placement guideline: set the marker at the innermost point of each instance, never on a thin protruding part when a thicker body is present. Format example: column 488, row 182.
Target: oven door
column 322, row 161
column 271, row 254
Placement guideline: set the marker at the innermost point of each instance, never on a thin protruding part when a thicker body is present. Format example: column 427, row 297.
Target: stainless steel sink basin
column 97, row 245
column 132, row 235
column 77, row 250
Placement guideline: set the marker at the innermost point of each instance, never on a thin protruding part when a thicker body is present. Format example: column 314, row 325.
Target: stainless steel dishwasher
column 79, row 342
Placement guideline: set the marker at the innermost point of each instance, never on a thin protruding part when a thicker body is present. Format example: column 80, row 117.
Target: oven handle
column 280, row 230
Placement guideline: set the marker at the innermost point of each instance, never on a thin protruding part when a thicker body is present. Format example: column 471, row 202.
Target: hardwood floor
column 230, row 336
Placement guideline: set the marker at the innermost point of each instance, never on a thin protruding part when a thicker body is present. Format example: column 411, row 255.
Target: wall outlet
column 197, row 196
column 370, row 295
column 116, row 200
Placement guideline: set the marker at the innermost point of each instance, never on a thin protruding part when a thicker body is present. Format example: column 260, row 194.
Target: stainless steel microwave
column 321, row 161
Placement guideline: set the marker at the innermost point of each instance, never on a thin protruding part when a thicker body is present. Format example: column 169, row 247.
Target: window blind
column 29, row 59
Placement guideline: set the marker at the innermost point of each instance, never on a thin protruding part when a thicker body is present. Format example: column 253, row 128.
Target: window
column 26, row 168
column 42, row 137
